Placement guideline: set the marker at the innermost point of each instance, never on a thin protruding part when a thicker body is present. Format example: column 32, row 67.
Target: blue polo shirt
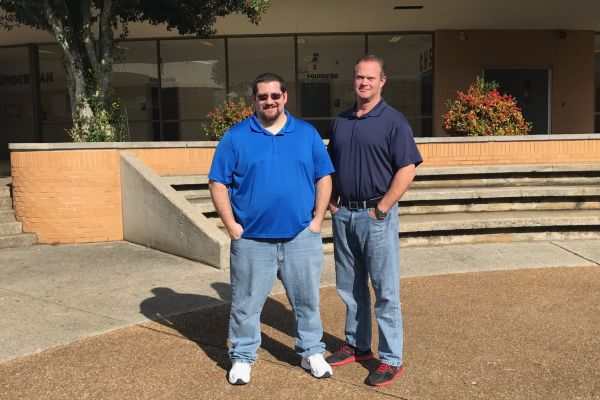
column 271, row 178
column 368, row 150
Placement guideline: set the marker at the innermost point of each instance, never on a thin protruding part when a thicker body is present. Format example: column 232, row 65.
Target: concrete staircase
column 11, row 233
column 449, row 205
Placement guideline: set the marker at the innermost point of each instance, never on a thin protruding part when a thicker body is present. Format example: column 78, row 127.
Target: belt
column 360, row 204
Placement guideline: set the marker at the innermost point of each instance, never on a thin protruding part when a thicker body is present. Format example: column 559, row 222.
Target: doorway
column 315, row 105
column 531, row 89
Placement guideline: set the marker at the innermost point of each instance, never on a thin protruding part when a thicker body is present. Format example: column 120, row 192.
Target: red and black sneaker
column 385, row 375
column 347, row 354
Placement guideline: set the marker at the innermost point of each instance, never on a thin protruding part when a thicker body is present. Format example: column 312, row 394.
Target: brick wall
column 190, row 160
column 510, row 152
column 68, row 196
column 71, row 193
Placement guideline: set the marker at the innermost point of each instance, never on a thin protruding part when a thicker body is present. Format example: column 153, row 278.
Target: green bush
column 107, row 123
column 483, row 111
column 223, row 117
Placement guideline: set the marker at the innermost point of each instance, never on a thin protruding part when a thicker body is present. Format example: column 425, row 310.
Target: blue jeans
column 254, row 266
column 363, row 248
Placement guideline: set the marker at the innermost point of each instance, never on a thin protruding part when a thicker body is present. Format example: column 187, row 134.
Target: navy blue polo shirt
column 271, row 178
column 368, row 150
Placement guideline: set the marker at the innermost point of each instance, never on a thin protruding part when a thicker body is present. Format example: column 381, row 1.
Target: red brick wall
column 68, row 196
column 506, row 152
column 190, row 160
column 74, row 196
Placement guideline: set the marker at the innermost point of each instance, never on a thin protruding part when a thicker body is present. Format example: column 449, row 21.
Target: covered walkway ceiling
column 306, row 16
column 290, row 16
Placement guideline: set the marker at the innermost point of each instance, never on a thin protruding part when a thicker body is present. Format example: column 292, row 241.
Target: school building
column 545, row 53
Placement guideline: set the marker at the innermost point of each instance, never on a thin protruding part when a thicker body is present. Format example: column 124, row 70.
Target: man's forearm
column 220, row 199
column 323, row 196
column 400, row 184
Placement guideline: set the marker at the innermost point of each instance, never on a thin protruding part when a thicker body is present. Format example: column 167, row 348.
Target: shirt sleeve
column 223, row 162
column 404, row 150
column 321, row 159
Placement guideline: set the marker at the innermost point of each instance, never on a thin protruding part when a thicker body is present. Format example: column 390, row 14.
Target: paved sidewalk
column 523, row 323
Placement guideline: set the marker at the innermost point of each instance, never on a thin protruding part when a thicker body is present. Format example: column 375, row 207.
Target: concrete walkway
column 510, row 321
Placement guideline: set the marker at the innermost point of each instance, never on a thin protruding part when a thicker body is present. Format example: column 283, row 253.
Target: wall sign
column 24, row 79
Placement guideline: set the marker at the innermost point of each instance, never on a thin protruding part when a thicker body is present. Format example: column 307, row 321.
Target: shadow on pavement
column 208, row 327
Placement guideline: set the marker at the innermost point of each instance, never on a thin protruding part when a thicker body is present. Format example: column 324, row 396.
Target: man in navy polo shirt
column 375, row 156
column 270, row 183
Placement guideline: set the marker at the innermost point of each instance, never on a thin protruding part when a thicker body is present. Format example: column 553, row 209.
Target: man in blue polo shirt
column 270, row 183
column 375, row 156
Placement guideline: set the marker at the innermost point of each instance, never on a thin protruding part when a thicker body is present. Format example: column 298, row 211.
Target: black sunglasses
column 274, row 96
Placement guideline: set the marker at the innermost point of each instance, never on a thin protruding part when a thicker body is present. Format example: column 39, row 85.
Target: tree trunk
column 89, row 73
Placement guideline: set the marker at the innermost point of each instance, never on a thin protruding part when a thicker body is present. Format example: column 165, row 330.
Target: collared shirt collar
column 256, row 126
column 375, row 112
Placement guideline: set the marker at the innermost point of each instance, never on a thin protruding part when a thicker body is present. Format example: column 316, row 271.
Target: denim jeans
column 254, row 265
column 363, row 248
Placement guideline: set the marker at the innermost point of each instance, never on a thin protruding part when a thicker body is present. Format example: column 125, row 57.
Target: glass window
column 55, row 99
column 193, row 83
column 16, row 106
column 409, row 69
column 250, row 57
column 135, row 83
column 326, row 77
column 597, row 91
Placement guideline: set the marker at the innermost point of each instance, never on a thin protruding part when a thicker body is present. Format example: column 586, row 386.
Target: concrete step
column 461, row 193
column 4, row 192
column 469, row 238
column 175, row 180
column 11, row 228
column 19, row 240
column 500, row 205
column 499, row 220
column 206, row 207
column 7, row 216
column 469, row 198
column 477, row 193
column 196, row 196
column 424, row 181
column 5, row 203
column 508, row 175
column 490, row 181
column 513, row 169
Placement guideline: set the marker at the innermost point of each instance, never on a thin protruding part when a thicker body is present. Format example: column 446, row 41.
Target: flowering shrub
column 225, row 116
column 106, row 120
column 483, row 111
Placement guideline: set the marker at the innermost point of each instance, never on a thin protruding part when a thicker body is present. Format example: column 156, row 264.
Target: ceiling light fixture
column 408, row 7
column 395, row 39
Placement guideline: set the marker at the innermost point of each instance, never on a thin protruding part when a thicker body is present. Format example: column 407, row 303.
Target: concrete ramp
column 157, row 216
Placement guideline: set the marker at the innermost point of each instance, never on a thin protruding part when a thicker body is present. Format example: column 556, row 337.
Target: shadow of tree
column 208, row 326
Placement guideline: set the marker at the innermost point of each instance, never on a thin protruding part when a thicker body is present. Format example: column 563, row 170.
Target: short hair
column 268, row 77
column 372, row 58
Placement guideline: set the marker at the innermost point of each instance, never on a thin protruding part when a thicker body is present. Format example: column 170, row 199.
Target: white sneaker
column 239, row 374
column 317, row 366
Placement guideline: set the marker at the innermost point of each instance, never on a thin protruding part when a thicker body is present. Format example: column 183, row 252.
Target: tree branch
column 86, row 31
column 106, row 41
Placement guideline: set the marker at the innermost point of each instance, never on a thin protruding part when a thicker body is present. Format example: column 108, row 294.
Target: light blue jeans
column 254, row 266
column 363, row 248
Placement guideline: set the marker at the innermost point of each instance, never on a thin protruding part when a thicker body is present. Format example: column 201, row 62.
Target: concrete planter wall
column 71, row 192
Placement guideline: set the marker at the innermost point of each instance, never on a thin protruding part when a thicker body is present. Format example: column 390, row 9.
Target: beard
column 268, row 117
